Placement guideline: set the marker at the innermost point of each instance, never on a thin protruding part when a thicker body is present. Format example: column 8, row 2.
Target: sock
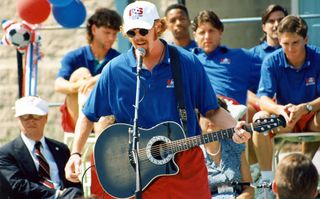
column 255, row 165
column 267, row 175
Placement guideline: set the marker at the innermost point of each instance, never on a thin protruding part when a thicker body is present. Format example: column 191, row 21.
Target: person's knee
column 260, row 115
column 79, row 74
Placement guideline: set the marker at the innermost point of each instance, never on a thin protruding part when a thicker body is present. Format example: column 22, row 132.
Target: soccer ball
column 18, row 35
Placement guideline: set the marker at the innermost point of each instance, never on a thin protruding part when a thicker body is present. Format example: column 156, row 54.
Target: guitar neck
column 190, row 142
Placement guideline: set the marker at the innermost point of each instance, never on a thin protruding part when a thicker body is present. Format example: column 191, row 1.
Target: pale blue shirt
column 54, row 172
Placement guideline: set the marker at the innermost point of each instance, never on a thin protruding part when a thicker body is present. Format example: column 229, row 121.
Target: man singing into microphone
column 114, row 94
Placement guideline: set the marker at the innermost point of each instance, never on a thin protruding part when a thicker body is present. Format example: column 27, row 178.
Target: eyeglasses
column 30, row 116
column 142, row 32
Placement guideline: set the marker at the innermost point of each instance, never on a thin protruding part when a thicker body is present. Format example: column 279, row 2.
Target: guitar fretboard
column 188, row 143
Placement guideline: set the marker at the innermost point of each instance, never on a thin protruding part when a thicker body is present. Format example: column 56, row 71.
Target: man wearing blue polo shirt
column 230, row 71
column 289, row 86
column 81, row 68
column 115, row 94
column 269, row 42
column 178, row 22
column 270, row 19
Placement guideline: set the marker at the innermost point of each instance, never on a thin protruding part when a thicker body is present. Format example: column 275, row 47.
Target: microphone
column 140, row 53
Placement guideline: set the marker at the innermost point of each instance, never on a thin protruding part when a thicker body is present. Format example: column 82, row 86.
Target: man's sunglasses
column 30, row 116
column 142, row 32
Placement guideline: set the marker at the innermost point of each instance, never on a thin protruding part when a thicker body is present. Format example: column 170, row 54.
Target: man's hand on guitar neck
column 240, row 135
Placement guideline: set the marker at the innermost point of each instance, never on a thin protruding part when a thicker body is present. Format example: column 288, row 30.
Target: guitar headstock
column 265, row 124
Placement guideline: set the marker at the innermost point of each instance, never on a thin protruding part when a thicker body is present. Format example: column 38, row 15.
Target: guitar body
column 115, row 168
column 157, row 148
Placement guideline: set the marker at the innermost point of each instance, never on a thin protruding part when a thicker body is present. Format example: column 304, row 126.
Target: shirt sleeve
column 268, row 83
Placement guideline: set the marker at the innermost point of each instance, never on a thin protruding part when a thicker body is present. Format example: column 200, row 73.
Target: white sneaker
column 255, row 172
column 263, row 190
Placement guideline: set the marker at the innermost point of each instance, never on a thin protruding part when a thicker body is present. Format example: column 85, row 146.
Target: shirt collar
column 30, row 143
column 218, row 50
column 265, row 46
column 89, row 53
column 306, row 64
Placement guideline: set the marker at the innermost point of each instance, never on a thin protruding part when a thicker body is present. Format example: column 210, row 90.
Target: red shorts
column 302, row 123
column 66, row 120
column 191, row 181
column 255, row 106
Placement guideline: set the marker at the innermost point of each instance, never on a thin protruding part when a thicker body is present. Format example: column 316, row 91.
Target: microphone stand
column 134, row 143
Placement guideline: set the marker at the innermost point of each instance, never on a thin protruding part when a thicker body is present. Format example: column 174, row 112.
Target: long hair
column 266, row 14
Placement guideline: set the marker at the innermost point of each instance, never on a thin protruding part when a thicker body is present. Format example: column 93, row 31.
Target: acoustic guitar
column 157, row 147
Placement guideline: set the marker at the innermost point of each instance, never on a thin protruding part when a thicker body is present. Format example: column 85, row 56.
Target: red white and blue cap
column 140, row 14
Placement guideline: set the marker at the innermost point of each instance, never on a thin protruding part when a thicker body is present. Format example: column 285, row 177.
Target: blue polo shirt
column 83, row 57
column 114, row 93
column 263, row 49
column 191, row 46
column 231, row 71
column 290, row 85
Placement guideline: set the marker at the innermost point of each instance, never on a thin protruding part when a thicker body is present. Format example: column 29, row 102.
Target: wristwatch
column 309, row 108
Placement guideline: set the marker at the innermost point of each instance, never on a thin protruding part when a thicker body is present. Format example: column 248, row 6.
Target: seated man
column 269, row 43
column 230, row 71
column 178, row 22
column 33, row 164
column 296, row 177
column 289, row 87
column 81, row 68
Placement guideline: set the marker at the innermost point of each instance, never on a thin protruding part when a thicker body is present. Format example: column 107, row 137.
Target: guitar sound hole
column 159, row 150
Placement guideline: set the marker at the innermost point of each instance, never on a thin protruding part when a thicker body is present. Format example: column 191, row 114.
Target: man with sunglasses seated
column 33, row 164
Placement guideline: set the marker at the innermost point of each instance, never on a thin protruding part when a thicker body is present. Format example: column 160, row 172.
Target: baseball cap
column 31, row 105
column 139, row 14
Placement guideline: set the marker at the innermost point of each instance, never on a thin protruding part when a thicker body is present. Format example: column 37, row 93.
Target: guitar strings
column 167, row 148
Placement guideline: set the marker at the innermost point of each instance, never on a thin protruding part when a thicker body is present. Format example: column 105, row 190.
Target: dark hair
column 177, row 6
column 103, row 17
column 296, row 177
column 207, row 16
column 266, row 14
column 293, row 24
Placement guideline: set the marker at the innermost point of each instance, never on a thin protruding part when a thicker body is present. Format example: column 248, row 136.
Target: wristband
column 76, row 153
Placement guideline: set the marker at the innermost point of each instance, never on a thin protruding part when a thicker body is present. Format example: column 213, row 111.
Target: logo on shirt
column 135, row 13
column 170, row 83
column 225, row 61
column 310, row 81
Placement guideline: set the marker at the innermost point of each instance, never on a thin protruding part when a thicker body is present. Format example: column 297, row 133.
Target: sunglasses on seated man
column 142, row 32
column 30, row 116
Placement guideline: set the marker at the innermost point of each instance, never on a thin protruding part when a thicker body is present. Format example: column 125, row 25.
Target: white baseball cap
column 31, row 105
column 139, row 14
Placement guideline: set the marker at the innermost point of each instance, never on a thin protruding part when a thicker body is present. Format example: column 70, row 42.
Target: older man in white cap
column 114, row 94
column 33, row 164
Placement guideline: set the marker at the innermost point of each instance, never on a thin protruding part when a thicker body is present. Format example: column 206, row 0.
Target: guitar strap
column 178, row 85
